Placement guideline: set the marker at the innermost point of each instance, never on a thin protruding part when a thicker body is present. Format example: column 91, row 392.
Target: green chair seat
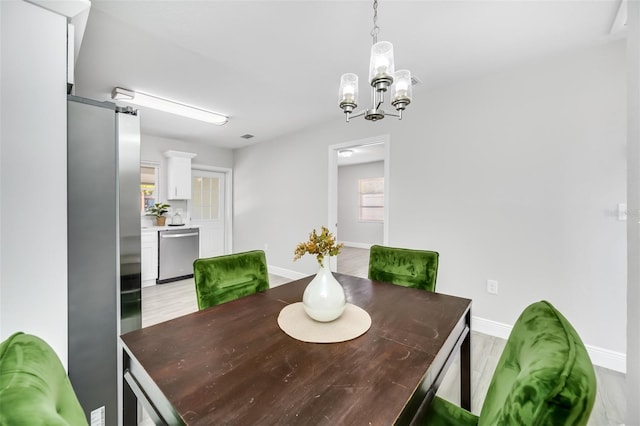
column 225, row 278
column 544, row 377
column 405, row 267
column 34, row 386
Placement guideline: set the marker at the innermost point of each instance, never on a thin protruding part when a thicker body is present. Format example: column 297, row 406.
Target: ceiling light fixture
column 150, row 101
column 346, row 153
column 381, row 77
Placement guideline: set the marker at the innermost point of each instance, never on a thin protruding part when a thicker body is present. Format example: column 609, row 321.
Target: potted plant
column 158, row 210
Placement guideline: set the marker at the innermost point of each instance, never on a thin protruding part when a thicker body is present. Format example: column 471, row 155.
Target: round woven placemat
column 294, row 321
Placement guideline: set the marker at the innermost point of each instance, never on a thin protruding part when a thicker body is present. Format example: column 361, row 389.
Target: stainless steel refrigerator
column 103, row 187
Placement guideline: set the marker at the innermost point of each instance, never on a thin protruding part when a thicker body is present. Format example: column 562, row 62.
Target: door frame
column 333, row 184
column 228, row 199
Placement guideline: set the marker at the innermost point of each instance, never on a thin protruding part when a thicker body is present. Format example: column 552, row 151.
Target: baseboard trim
column 606, row 358
column 490, row 327
column 356, row 245
column 287, row 273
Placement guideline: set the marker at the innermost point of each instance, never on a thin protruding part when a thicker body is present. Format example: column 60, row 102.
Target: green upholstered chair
column 34, row 386
column 405, row 267
column 544, row 377
column 225, row 278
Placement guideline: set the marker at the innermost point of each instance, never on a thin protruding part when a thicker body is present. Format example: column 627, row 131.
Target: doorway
column 362, row 151
column 209, row 209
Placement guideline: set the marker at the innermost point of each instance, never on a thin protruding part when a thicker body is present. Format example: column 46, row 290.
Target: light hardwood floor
column 167, row 301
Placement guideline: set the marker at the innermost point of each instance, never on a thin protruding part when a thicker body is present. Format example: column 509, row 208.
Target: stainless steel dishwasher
column 177, row 249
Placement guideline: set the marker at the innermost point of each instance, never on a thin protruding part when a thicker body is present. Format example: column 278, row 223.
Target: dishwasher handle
column 189, row 234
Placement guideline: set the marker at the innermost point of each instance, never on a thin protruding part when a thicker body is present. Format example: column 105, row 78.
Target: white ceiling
column 367, row 153
column 274, row 66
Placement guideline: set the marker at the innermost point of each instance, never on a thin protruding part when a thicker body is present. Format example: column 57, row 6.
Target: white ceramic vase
column 324, row 299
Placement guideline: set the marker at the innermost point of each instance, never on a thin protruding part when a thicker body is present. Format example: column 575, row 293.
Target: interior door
column 208, row 210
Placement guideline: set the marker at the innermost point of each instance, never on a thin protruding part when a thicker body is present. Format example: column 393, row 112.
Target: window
column 205, row 201
column 371, row 199
column 148, row 186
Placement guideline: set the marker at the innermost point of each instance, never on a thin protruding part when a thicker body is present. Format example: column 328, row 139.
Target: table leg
column 129, row 400
column 465, row 368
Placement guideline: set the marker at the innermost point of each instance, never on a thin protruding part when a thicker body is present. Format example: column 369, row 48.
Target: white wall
column 33, row 174
column 350, row 228
column 153, row 148
column 514, row 177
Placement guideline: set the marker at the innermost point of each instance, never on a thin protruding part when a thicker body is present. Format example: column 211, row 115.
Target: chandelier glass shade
column 382, row 76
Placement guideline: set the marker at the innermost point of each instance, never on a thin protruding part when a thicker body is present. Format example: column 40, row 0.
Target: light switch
column 492, row 286
column 622, row 211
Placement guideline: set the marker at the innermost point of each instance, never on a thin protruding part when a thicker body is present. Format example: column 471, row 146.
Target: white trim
column 287, row 273
column 606, row 358
column 387, row 189
column 356, row 245
column 332, row 203
column 228, row 200
column 179, row 154
column 492, row 328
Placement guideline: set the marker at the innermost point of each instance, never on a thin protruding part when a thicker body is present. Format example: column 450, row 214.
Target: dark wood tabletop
column 231, row 364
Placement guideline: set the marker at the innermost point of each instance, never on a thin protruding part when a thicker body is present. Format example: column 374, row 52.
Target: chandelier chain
column 376, row 28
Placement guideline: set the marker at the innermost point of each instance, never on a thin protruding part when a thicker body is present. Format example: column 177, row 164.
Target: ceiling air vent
column 246, row 136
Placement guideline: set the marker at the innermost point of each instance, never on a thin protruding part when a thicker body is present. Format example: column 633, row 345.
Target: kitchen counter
column 167, row 227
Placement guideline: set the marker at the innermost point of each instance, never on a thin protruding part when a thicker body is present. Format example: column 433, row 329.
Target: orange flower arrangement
column 321, row 245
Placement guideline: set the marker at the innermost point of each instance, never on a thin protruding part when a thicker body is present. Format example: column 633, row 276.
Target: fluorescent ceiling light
column 150, row 101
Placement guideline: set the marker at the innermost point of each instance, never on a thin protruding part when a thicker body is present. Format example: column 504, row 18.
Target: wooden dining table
column 231, row 364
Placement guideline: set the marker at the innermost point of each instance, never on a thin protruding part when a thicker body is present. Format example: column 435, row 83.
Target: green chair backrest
column 34, row 386
column 544, row 376
column 225, row 278
column 405, row 267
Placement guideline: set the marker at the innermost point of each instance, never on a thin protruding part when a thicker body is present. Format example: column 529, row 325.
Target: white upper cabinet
column 178, row 175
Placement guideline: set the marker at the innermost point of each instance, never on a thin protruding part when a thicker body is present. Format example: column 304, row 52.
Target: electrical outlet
column 97, row 417
column 492, row 286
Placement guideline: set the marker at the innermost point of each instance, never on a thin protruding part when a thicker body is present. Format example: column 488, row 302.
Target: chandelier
column 382, row 77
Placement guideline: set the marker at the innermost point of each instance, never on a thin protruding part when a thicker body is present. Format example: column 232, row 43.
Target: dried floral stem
column 321, row 245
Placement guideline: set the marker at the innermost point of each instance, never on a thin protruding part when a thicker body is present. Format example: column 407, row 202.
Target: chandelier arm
column 393, row 114
column 358, row 114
